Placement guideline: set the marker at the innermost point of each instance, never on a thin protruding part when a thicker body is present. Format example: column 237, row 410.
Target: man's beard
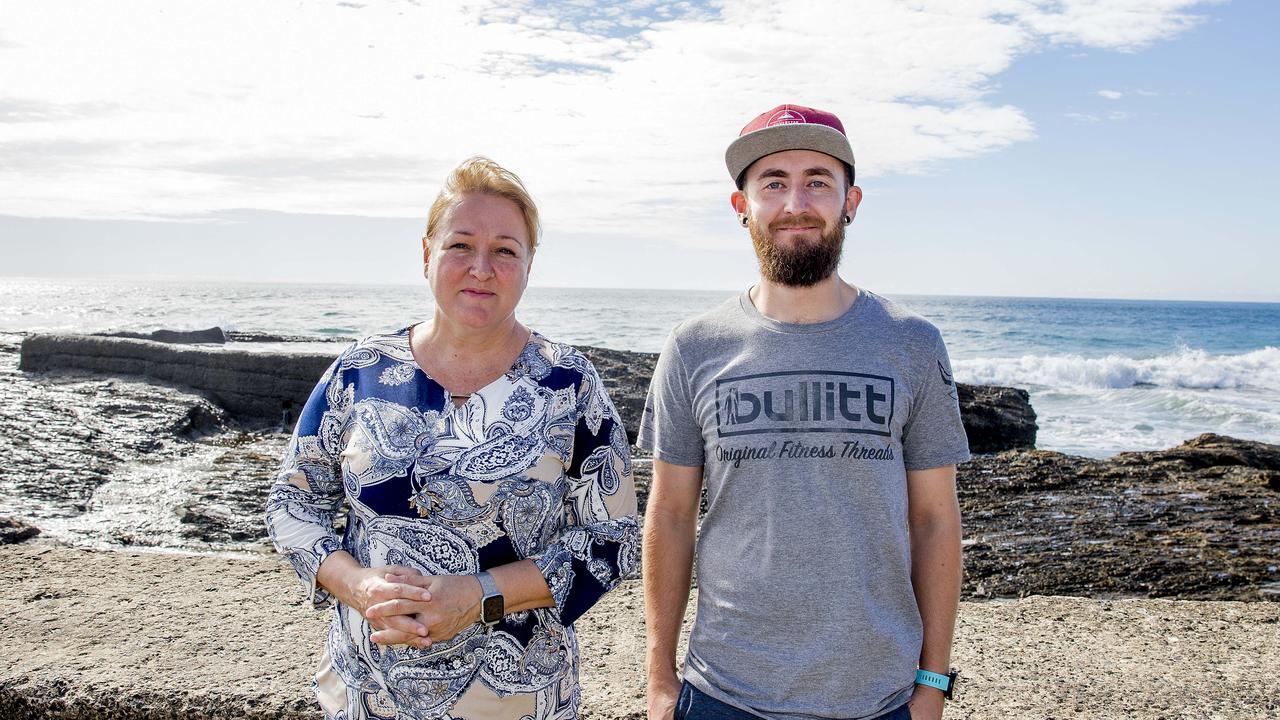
column 804, row 263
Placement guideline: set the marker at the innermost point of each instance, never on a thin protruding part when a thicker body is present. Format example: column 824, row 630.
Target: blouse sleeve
column 600, row 544
column 308, row 487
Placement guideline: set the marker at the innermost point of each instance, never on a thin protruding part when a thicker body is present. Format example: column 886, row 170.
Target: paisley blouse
column 534, row 465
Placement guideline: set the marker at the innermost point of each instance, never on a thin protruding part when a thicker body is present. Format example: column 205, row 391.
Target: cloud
column 1121, row 25
column 1084, row 118
column 21, row 110
column 608, row 111
column 1111, row 94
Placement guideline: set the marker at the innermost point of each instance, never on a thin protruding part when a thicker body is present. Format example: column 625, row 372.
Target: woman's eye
column 507, row 251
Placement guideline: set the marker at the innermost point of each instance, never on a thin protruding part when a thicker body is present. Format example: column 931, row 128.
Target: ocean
column 1105, row 376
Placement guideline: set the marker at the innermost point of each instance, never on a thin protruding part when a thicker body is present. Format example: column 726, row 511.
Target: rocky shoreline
column 1198, row 521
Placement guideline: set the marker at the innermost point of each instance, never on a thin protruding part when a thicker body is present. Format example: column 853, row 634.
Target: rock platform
column 131, row 636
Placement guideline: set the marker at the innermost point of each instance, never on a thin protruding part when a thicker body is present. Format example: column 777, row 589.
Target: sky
column 1063, row 148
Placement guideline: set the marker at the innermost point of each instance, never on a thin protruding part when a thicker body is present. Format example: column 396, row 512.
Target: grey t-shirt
column 805, row 433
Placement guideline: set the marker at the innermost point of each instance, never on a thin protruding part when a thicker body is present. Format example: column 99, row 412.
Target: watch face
column 491, row 609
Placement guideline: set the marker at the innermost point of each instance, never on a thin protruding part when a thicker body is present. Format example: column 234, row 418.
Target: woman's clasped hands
column 406, row 607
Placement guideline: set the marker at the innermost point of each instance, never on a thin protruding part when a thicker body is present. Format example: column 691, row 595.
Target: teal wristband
column 945, row 683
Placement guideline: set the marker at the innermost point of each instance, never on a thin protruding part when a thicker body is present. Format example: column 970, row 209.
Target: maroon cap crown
column 788, row 127
column 793, row 115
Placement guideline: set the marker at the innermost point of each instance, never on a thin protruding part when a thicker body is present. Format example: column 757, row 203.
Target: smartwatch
column 492, row 605
column 945, row 683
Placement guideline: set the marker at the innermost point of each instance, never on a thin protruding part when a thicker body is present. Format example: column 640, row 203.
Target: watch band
column 945, row 683
column 487, row 585
column 493, row 604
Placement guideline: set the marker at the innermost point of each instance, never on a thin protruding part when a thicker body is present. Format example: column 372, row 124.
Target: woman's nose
column 481, row 266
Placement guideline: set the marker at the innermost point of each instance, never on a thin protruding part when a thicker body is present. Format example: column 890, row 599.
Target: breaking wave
column 1186, row 368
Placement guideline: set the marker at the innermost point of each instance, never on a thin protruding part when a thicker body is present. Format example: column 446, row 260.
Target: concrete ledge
column 255, row 387
column 124, row 636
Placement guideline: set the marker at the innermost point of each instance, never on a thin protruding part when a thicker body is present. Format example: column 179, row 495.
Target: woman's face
column 478, row 265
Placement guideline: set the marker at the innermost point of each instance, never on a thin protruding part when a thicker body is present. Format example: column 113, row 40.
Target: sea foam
column 1186, row 368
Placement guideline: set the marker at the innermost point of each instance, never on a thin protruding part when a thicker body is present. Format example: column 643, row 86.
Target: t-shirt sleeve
column 934, row 433
column 668, row 426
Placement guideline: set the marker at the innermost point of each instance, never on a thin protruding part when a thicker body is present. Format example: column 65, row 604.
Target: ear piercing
column 743, row 219
column 847, row 219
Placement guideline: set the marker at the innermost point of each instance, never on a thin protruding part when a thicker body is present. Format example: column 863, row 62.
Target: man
column 826, row 424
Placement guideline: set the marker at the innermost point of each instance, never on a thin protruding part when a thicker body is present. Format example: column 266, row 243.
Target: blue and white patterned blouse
column 534, row 465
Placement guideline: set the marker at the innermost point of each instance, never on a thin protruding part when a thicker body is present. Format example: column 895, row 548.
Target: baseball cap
column 788, row 127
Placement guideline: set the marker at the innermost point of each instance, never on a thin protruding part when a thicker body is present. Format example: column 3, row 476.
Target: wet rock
column 626, row 374
column 1200, row 520
column 213, row 335
column 235, row 336
column 997, row 418
column 64, row 434
column 1207, row 451
column 200, row 420
column 13, row 531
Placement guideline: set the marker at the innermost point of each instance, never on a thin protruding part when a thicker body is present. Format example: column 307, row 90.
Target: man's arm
column 933, row 517
column 670, row 527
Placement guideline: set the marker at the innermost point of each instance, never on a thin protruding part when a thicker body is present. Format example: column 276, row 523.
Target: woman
column 488, row 480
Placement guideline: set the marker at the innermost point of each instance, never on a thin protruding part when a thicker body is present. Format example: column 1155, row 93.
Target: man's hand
column 926, row 703
column 663, row 694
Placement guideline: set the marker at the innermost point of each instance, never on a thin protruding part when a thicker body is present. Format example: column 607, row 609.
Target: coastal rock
column 1200, row 520
column 260, row 337
column 997, row 418
column 66, row 435
column 626, row 374
column 1212, row 451
column 13, row 531
column 208, row 336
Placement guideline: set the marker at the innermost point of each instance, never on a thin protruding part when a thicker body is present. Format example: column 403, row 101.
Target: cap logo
column 785, row 117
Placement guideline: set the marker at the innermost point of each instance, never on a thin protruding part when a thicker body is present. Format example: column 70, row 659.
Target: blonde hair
column 480, row 175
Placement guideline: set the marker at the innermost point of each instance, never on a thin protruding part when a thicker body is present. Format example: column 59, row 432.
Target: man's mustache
column 797, row 221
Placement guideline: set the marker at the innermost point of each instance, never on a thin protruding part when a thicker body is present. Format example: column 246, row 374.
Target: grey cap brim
column 792, row 136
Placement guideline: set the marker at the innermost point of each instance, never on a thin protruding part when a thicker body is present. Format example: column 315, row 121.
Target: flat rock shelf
column 99, row 635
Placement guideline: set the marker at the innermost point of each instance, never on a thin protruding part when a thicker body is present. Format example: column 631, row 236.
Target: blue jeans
column 694, row 704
